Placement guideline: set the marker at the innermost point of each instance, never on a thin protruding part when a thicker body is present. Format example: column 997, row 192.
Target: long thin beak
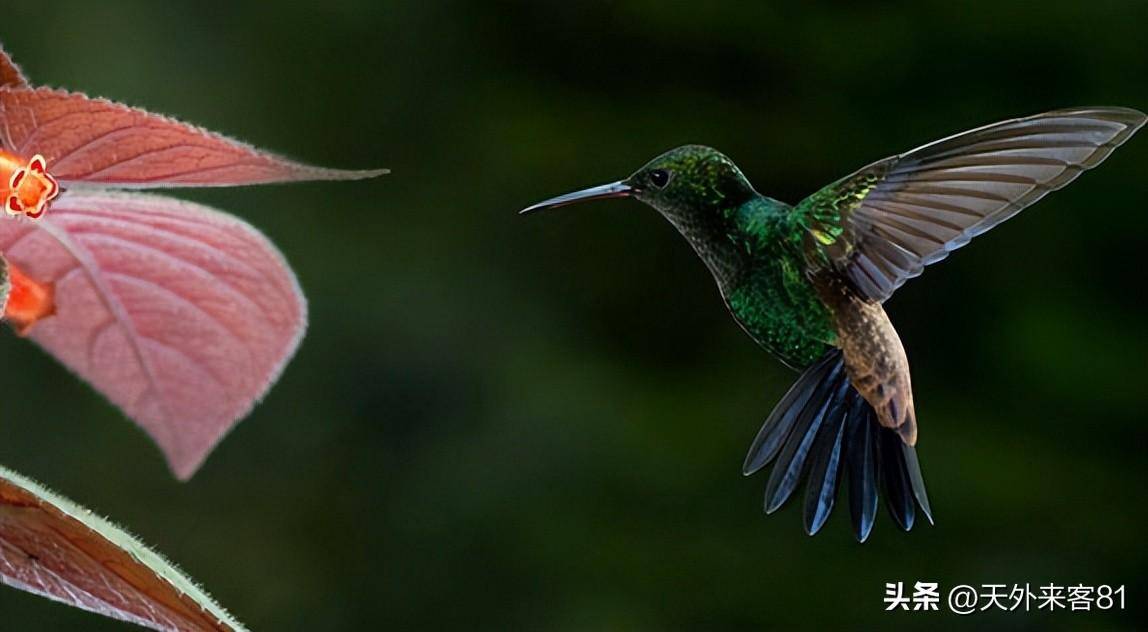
column 612, row 190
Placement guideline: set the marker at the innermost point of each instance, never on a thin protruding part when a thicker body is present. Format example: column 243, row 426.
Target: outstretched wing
column 885, row 223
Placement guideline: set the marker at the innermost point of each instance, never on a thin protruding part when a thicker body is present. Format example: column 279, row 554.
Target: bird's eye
column 660, row 178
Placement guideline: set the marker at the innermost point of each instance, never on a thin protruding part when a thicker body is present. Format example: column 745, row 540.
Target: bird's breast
column 781, row 311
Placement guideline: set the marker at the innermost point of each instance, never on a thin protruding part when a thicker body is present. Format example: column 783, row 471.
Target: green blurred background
column 538, row 423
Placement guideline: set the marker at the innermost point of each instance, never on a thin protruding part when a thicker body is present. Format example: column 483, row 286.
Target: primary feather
column 883, row 224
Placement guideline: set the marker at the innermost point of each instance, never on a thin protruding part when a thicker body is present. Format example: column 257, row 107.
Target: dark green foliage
column 505, row 424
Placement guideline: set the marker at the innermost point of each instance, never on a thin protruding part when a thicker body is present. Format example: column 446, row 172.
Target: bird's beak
column 612, row 190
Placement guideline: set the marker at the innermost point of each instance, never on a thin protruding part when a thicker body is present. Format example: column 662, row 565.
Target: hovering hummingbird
column 807, row 283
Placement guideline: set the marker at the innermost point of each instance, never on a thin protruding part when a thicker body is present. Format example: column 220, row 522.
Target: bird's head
column 698, row 189
column 689, row 184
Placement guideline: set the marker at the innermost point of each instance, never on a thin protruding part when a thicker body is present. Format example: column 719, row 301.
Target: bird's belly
column 786, row 318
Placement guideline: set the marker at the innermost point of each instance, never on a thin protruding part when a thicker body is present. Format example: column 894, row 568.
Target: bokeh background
column 498, row 422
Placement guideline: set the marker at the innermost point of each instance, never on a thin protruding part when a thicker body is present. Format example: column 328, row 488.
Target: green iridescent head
column 684, row 184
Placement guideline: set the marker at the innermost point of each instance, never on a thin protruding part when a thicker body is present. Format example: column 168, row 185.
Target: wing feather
column 883, row 224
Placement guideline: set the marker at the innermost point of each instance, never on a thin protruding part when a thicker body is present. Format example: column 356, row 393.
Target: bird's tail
column 823, row 430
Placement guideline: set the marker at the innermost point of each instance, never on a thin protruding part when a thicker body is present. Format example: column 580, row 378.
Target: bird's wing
column 885, row 223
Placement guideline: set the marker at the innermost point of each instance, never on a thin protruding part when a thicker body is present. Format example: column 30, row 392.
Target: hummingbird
column 807, row 282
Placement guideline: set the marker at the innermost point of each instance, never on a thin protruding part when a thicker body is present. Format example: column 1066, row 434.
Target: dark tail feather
column 895, row 480
column 821, row 490
column 790, row 465
column 819, row 422
column 862, row 459
column 776, row 428
column 918, row 482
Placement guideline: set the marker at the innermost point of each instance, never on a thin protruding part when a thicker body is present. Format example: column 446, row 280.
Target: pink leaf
column 52, row 547
column 181, row 315
column 10, row 74
column 98, row 141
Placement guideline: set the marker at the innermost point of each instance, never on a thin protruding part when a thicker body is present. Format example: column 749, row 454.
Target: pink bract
column 181, row 315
